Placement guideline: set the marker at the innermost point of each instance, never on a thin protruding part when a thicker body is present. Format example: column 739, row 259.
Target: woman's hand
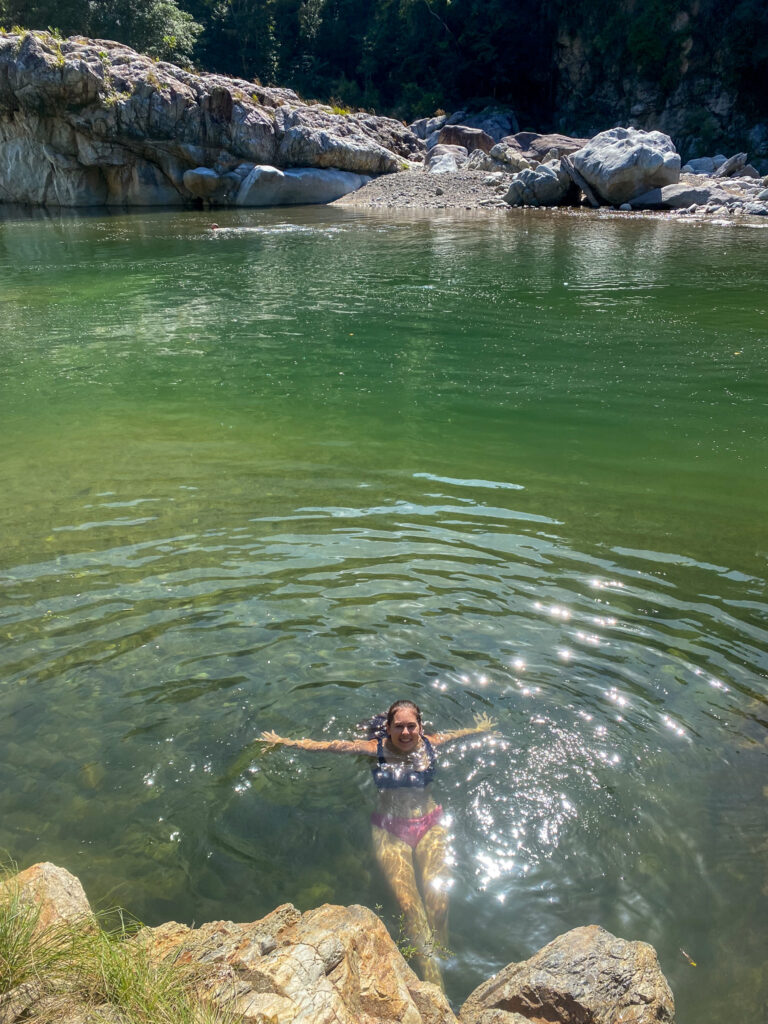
column 271, row 738
column 484, row 723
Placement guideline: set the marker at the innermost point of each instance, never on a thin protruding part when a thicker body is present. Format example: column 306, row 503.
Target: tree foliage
column 409, row 57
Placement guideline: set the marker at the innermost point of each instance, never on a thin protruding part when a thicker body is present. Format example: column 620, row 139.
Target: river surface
column 278, row 475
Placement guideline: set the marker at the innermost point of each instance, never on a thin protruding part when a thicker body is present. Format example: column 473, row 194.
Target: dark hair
column 376, row 727
column 394, row 708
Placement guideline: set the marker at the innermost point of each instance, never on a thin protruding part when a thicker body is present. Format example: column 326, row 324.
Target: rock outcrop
column 587, row 976
column 338, row 965
column 623, row 163
column 88, row 122
column 332, row 965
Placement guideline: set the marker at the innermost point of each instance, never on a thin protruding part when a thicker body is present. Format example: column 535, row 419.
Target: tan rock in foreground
column 332, row 965
column 586, row 976
column 59, row 894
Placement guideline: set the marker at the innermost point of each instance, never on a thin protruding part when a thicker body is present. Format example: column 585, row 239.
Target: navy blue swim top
column 391, row 775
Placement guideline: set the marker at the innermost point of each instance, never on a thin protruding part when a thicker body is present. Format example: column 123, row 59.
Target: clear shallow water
column 277, row 475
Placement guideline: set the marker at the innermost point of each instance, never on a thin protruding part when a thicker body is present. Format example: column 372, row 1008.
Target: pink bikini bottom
column 410, row 830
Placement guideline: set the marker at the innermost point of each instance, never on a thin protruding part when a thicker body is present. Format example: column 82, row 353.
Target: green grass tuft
column 71, row 966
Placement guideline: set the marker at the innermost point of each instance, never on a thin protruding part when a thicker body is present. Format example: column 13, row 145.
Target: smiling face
column 404, row 730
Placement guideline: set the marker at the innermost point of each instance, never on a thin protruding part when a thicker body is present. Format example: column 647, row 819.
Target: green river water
column 277, row 475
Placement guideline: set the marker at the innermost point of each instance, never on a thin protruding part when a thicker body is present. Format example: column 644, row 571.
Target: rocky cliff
column 90, row 122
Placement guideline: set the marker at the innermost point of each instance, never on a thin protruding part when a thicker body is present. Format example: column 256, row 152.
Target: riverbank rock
column 59, row 895
column 470, row 138
column 444, row 159
column 623, row 163
column 545, row 185
column 586, row 976
column 537, row 148
column 338, row 965
column 496, row 121
column 89, row 122
column 680, row 196
column 269, row 186
column 333, row 965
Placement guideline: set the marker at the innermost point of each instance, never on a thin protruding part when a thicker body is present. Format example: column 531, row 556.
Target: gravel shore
column 461, row 190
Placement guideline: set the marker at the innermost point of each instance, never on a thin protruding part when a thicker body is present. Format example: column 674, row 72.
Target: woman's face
column 404, row 732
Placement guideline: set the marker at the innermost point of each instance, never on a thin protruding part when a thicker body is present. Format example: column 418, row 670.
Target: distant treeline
column 411, row 57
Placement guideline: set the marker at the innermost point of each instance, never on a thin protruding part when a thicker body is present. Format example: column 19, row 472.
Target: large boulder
column 87, row 122
column 679, row 197
column 57, row 894
column 703, row 164
column 269, row 186
column 444, row 159
column 623, row 163
column 545, row 185
column 469, row 138
column 332, row 965
column 586, row 976
column 426, row 126
column 496, row 121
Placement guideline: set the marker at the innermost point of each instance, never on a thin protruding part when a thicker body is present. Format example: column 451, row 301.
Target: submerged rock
column 88, row 122
column 586, row 976
column 623, row 163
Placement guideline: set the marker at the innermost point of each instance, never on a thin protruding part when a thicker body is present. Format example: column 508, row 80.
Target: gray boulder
column 512, row 158
column 703, row 164
column 425, row 126
column 733, row 165
column 482, row 161
column 270, row 186
column 545, row 185
column 624, row 162
column 678, row 197
column 445, row 159
column 494, row 121
column 586, row 976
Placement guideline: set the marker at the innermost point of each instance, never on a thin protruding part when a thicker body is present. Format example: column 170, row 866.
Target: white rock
column 623, row 163
column 269, row 186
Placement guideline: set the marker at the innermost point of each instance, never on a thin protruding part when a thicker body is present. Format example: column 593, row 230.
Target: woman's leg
column 431, row 860
column 396, row 860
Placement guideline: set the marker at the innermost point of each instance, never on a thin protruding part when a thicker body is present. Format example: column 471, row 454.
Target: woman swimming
column 408, row 837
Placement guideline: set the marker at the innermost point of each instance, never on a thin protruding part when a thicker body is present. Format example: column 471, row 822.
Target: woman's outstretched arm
column 332, row 746
column 483, row 723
